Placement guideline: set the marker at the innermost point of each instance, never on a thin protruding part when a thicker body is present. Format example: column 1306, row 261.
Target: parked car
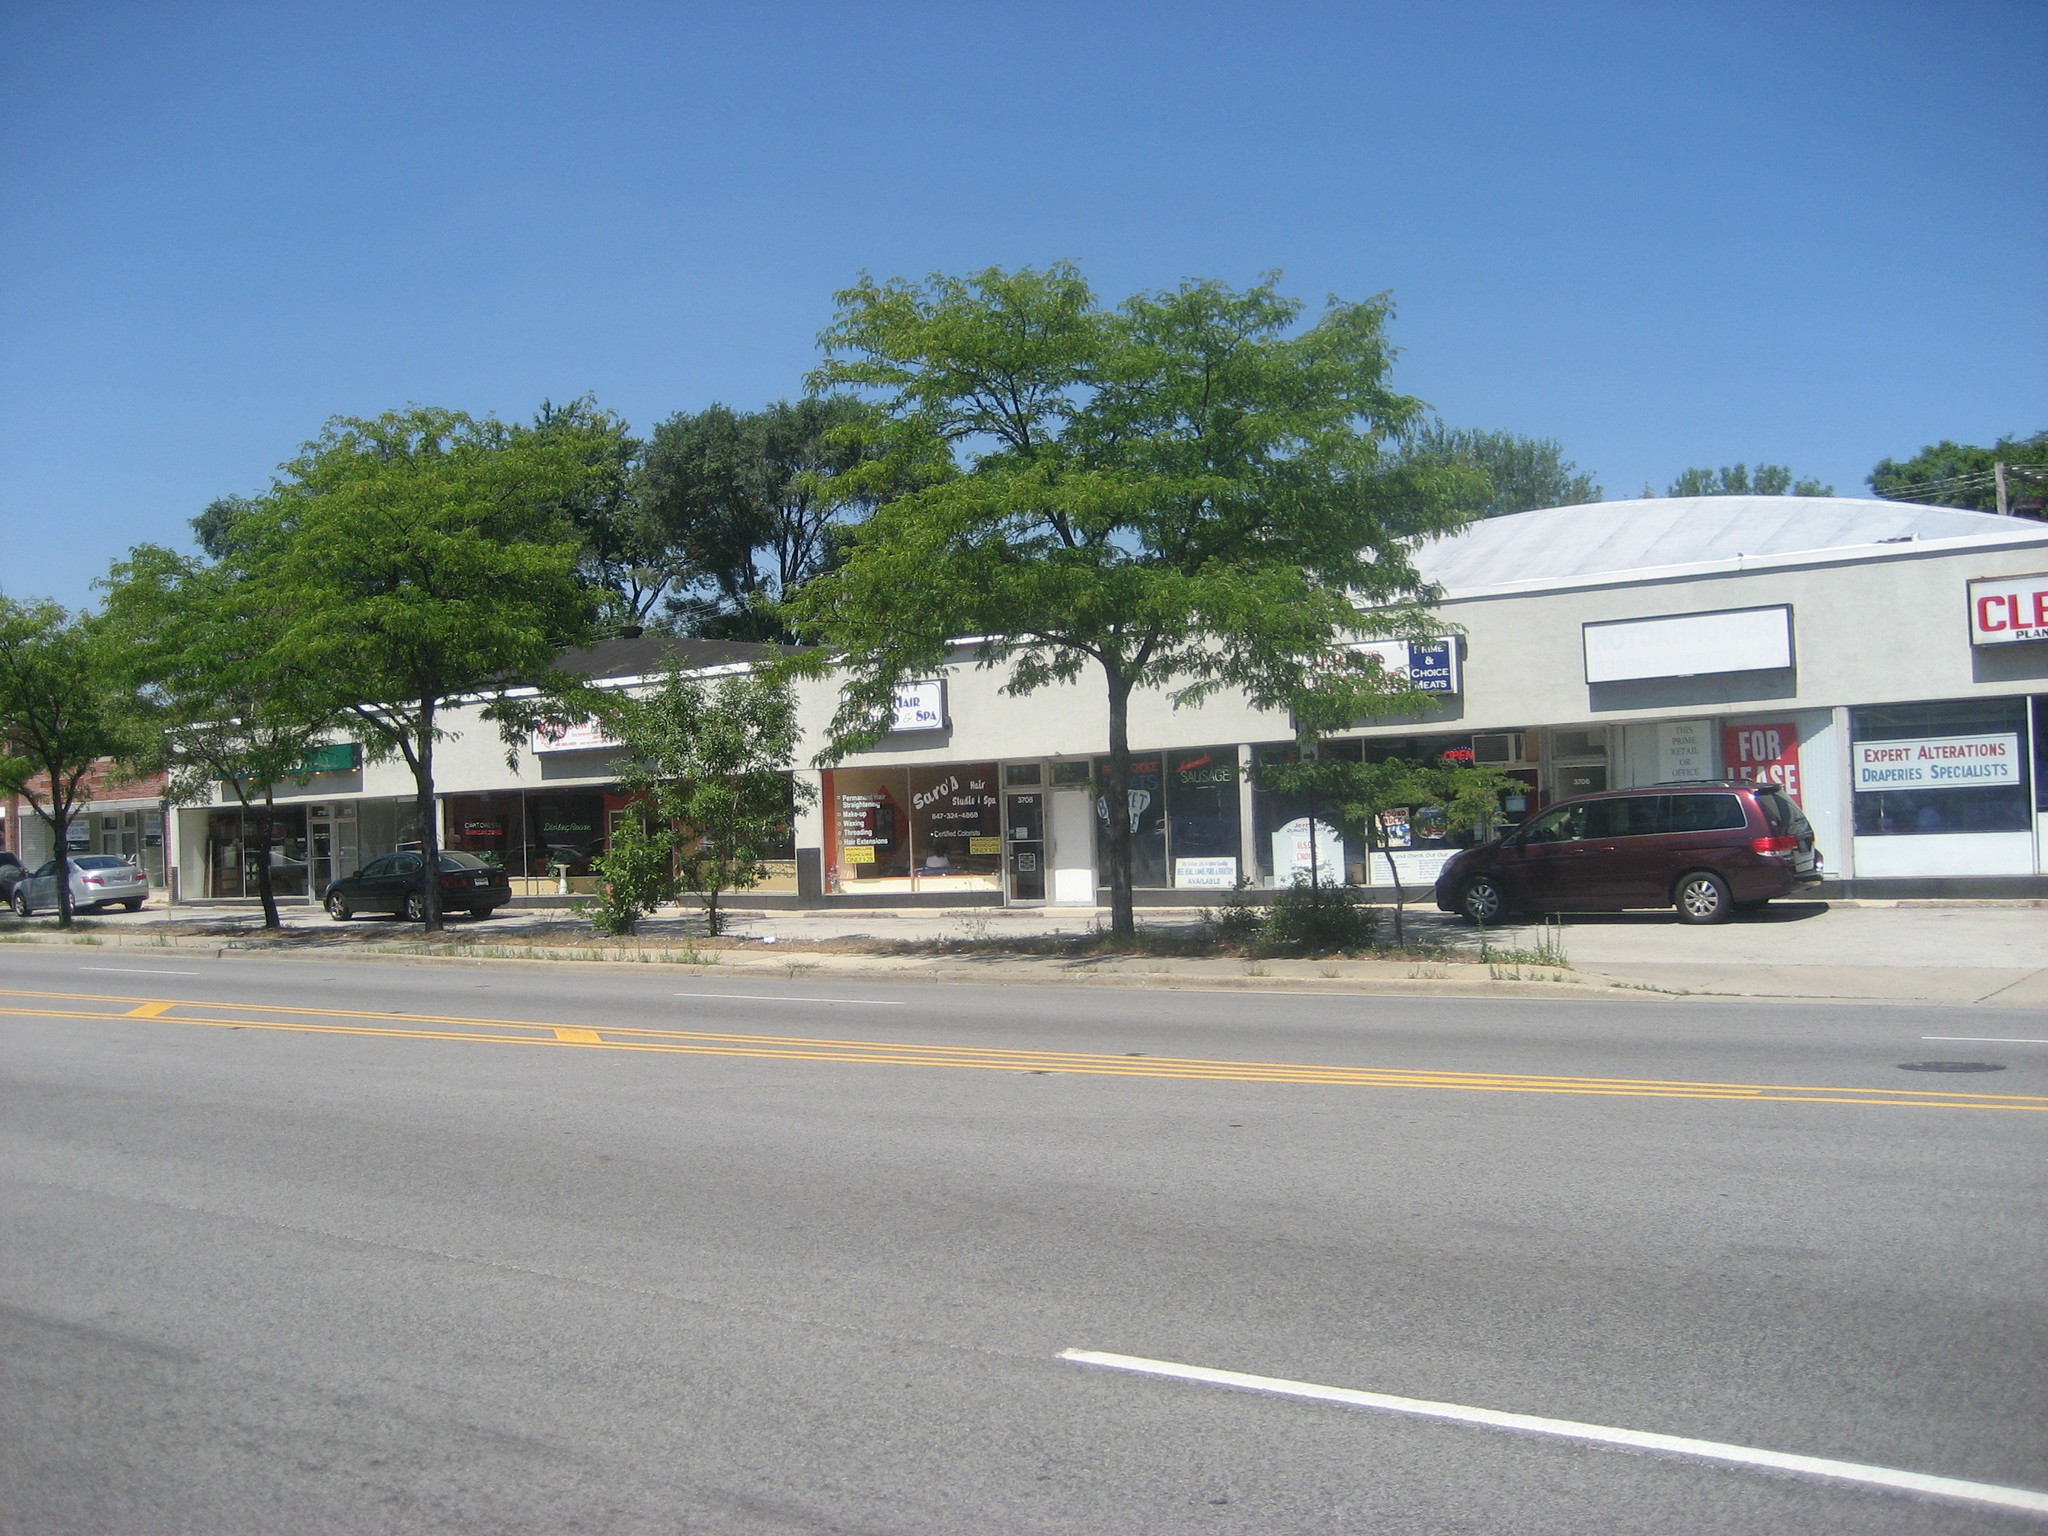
column 1709, row 849
column 98, row 880
column 393, row 884
column 11, row 874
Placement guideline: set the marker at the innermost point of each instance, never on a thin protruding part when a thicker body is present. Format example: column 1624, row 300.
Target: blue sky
column 1814, row 234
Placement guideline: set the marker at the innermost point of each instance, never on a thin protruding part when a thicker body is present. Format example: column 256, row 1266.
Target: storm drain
column 1950, row 1066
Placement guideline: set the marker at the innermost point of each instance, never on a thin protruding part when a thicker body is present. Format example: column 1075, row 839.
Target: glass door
column 1024, row 848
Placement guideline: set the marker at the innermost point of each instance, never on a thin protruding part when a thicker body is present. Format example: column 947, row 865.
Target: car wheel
column 415, row 908
column 131, row 906
column 21, row 905
column 338, row 909
column 1702, row 897
column 481, row 913
column 1482, row 901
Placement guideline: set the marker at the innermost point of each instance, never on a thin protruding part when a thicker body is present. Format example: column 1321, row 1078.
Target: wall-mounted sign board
column 1689, row 645
column 919, row 707
column 2005, row 610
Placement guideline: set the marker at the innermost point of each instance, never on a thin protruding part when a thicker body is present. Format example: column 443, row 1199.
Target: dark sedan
column 393, row 884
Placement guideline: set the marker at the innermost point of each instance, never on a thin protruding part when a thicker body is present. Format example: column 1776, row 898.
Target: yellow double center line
column 420, row 1026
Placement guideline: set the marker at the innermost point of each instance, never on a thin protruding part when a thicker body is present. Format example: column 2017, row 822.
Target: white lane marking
column 129, row 970
column 1987, row 1039
column 1713, row 1450
column 759, row 997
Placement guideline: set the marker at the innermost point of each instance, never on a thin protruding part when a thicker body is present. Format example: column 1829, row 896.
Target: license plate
column 480, row 880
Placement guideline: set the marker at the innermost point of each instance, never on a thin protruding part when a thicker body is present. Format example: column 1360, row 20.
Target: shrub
column 638, row 873
column 1319, row 920
column 1239, row 920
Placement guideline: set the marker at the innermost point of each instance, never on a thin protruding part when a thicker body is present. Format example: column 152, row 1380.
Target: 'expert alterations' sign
column 1937, row 762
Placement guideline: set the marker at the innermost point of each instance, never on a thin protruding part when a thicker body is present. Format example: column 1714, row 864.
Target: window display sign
column 2005, row 610
column 1937, row 762
column 1769, row 754
column 919, row 707
column 1685, row 750
column 1205, row 874
column 1293, row 857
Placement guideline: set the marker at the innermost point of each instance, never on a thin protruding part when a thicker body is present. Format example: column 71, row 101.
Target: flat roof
column 1562, row 545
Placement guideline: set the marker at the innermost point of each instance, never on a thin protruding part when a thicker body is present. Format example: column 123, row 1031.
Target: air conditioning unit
column 1502, row 747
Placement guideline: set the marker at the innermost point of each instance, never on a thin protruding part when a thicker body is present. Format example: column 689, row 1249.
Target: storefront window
column 1147, row 812
column 1203, row 826
column 236, row 840
column 956, row 827
column 1923, row 769
column 1286, row 825
column 493, row 827
column 870, row 827
column 564, row 832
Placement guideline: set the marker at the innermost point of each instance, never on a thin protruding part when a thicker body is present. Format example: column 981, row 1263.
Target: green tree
column 753, row 503
column 1523, row 474
column 1186, row 493
column 1360, row 796
column 419, row 560
column 1950, row 474
column 626, row 556
column 59, row 716
column 212, row 698
column 215, row 528
column 1737, row 480
column 713, row 763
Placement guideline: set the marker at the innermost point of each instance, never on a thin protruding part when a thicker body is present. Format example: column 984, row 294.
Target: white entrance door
column 331, row 840
column 1071, row 847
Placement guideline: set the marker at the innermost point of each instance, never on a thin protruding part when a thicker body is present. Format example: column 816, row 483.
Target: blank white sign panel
column 1689, row 645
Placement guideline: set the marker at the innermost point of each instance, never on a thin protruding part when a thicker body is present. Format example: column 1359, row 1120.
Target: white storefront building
column 1887, row 662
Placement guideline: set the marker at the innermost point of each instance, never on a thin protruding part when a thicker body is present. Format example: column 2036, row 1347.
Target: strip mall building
column 1887, row 662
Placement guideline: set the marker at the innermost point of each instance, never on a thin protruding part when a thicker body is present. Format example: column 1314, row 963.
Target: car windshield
column 98, row 861
column 451, row 862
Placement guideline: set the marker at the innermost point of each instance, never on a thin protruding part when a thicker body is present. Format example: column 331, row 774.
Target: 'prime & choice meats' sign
column 2007, row 609
column 1937, row 762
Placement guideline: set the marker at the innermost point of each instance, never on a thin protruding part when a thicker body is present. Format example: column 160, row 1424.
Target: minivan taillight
column 1774, row 845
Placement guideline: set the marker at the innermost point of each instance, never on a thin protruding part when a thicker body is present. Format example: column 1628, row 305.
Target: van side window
column 1565, row 824
column 1705, row 813
column 1634, row 816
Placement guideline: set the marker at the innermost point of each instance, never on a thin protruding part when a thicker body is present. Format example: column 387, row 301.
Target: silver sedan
column 97, row 880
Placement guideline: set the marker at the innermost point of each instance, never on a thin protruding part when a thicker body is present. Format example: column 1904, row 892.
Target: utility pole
column 2004, row 502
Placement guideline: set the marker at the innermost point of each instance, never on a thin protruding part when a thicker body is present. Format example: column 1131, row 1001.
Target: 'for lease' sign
column 2008, row 609
column 1938, row 762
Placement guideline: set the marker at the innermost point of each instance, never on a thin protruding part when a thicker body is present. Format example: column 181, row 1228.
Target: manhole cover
column 1950, row 1066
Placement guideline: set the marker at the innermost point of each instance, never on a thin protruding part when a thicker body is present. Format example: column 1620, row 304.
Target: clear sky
column 1809, row 233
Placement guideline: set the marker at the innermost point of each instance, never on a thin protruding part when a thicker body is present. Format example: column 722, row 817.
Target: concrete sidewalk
column 1976, row 953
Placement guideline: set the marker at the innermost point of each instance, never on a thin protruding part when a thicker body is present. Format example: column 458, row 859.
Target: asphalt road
column 537, row 1250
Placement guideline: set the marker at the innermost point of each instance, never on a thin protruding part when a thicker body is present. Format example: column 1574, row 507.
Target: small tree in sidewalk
column 713, row 762
column 1361, row 795
column 59, row 686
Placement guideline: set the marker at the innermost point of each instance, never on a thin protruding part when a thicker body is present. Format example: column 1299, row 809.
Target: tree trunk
column 430, row 830
column 1123, row 922
column 266, row 890
column 62, row 822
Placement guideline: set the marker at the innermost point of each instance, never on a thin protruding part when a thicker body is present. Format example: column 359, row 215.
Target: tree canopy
column 60, row 695
column 418, row 559
column 1951, row 474
column 1740, row 480
column 753, row 503
column 213, row 696
column 1187, row 492
column 1523, row 474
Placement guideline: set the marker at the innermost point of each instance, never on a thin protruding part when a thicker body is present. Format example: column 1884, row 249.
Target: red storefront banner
column 1768, row 754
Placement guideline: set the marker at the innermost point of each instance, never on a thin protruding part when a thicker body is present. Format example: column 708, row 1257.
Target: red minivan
column 1710, row 849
